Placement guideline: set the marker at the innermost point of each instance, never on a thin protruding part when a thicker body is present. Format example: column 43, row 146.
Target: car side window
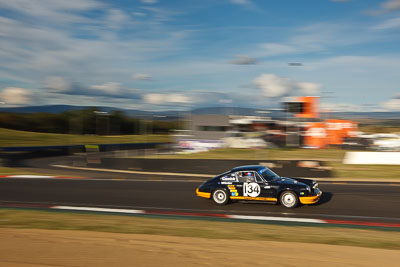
column 259, row 179
column 246, row 176
column 240, row 177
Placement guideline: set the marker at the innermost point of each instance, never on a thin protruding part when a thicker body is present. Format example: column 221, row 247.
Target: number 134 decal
column 251, row 190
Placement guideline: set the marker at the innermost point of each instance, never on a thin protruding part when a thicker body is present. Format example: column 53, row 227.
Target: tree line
column 85, row 121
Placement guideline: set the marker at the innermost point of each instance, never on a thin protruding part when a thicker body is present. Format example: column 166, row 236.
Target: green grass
column 16, row 218
column 21, row 138
column 264, row 154
column 11, row 171
column 365, row 171
column 333, row 158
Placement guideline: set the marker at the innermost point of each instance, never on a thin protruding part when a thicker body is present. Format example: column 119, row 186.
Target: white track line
column 133, row 172
column 237, row 217
column 31, row 176
column 268, row 218
column 129, row 211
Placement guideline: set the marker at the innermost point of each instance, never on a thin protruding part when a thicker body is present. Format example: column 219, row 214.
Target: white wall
column 373, row 158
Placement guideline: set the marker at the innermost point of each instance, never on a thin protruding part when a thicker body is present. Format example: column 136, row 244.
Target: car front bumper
column 202, row 194
column 311, row 199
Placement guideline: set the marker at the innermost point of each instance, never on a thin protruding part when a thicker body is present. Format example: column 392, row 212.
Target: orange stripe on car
column 255, row 198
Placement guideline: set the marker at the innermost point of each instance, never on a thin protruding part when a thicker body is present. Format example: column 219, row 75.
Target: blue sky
column 170, row 54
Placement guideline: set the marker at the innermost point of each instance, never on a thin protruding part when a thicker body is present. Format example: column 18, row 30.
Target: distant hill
column 170, row 115
column 56, row 109
column 47, row 108
column 368, row 115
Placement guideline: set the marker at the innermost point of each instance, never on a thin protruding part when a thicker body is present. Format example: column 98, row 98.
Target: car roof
column 248, row 168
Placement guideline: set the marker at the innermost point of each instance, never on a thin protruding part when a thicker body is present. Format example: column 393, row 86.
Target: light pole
column 297, row 133
column 100, row 115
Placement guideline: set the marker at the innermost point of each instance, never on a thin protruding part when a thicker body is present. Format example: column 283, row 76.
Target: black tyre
column 220, row 196
column 289, row 199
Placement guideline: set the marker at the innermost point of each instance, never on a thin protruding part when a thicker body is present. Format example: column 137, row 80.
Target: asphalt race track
column 352, row 201
column 357, row 202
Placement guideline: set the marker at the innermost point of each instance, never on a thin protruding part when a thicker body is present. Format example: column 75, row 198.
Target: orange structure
column 309, row 107
column 318, row 133
column 315, row 135
column 337, row 130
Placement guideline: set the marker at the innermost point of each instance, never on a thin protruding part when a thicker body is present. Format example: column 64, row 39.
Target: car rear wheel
column 220, row 196
column 289, row 199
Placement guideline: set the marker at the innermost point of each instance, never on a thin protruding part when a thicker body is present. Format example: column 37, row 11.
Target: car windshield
column 268, row 174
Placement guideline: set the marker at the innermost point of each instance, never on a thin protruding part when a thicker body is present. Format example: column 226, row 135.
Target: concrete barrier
column 293, row 168
column 14, row 156
column 372, row 158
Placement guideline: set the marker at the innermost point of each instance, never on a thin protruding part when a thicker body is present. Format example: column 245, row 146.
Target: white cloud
column 29, row 6
column 309, row 89
column 244, row 60
column 391, row 5
column 109, row 88
column 178, row 98
column 77, row 40
column 341, row 107
column 393, row 23
column 392, row 104
column 272, row 85
column 139, row 14
column 153, row 98
column 275, row 86
column 149, row 1
column 50, row 10
column 16, row 96
column 117, row 18
column 275, row 49
column 241, row 2
column 159, row 99
column 66, row 42
column 316, row 38
column 141, row 76
column 386, row 7
column 60, row 85
column 57, row 84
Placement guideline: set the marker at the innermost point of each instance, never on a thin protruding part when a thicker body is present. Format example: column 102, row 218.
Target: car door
column 247, row 186
column 268, row 191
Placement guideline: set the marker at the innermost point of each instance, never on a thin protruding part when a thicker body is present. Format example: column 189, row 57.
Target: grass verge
column 11, row 171
column 17, row 218
column 21, row 138
column 263, row 154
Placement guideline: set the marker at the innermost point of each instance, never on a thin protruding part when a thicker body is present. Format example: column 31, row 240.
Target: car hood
column 299, row 181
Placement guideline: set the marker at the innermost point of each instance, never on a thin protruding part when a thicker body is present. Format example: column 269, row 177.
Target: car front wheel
column 289, row 199
column 220, row 197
